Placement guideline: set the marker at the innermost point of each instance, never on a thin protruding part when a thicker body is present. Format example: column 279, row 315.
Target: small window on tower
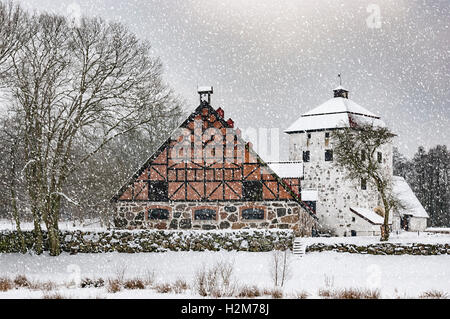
column 363, row 183
column 309, row 136
column 329, row 155
column 327, row 134
column 379, row 157
column 306, row 156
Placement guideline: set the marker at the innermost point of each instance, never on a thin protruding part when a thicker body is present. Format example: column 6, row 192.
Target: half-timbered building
column 205, row 176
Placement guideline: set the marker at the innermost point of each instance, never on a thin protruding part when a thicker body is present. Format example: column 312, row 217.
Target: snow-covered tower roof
column 337, row 112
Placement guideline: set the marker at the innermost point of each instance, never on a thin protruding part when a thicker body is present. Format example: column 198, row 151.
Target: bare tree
column 11, row 33
column 356, row 151
column 79, row 87
column 280, row 267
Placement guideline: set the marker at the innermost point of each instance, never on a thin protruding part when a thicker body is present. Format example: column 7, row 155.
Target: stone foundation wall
column 277, row 215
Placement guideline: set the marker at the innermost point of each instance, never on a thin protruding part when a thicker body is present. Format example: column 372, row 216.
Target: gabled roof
column 406, row 195
column 337, row 112
column 339, row 105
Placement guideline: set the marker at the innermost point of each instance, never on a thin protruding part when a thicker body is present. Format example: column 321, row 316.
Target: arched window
column 158, row 213
column 253, row 213
column 205, row 214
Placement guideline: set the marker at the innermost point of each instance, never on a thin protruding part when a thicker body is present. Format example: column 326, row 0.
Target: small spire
column 340, row 79
column 205, row 93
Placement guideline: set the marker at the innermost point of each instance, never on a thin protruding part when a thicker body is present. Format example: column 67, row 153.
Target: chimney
column 205, row 93
column 230, row 123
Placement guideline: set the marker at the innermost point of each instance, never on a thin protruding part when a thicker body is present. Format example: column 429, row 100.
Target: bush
column 302, row 295
column 55, row 295
column 92, row 283
column 45, row 286
column 216, row 281
column 5, row 284
column 277, row 293
column 21, row 281
column 352, row 293
column 249, row 292
column 134, row 284
column 179, row 286
column 114, row 285
column 163, row 288
column 434, row 294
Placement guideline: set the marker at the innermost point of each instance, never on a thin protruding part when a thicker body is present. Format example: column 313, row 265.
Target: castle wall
column 336, row 194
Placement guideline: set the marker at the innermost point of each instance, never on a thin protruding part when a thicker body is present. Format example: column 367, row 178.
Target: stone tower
column 344, row 207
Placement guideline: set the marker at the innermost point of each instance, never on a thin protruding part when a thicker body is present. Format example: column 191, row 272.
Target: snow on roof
column 368, row 215
column 339, row 104
column 309, row 195
column 333, row 113
column 408, row 198
column 340, row 87
column 287, row 169
column 330, row 121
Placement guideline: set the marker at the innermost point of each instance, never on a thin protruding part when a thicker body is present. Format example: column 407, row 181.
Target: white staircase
column 298, row 247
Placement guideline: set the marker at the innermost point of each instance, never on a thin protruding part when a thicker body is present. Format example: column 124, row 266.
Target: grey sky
column 269, row 61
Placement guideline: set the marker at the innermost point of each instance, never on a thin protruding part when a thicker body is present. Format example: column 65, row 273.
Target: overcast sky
column 270, row 61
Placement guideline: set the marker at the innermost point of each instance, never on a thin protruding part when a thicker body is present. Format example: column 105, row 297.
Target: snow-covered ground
column 92, row 225
column 396, row 276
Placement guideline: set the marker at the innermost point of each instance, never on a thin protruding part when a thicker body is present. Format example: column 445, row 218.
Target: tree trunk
column 38, row 237
column 15, row 210
column 385, row 226
column 23, row 247
column 53, row 204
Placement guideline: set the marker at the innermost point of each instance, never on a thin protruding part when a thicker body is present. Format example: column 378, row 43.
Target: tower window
column 327, row 134
column 363, row 183
column 379, row 157
column 329, row 155
column 309, row 136
column 363, row 155
column 306, row 156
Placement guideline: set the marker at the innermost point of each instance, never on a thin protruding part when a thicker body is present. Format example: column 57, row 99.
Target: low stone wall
column 253, row 240
column 157, row 241
column 383, row 248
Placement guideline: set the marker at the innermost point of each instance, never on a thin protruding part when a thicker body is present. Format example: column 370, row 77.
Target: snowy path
column 397, row 276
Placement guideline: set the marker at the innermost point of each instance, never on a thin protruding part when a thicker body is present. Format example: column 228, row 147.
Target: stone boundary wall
column 383, row 248
column 176, row 240
column 157, row 241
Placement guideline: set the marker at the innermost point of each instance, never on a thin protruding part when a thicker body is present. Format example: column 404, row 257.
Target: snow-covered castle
column 345, row 207
column 220, row 182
